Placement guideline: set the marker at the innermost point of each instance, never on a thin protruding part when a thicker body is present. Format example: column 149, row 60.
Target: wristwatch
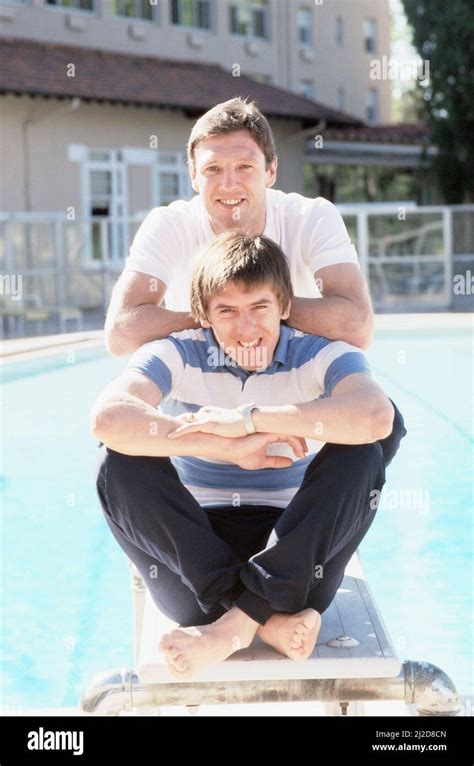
column 246, row 412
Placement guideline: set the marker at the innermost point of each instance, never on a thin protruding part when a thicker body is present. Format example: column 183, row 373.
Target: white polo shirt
column 310, row 232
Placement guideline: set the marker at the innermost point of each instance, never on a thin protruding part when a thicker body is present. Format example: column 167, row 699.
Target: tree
column 443, row 34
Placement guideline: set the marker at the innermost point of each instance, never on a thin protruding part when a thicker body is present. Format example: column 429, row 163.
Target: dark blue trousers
column 198, row 563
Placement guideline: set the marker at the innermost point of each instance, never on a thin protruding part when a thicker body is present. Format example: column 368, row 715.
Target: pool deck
column 38, row 345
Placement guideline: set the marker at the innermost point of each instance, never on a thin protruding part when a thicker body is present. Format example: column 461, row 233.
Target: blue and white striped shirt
column 192, row 371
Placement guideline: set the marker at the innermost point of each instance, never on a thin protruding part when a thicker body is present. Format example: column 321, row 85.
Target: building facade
column 101, row 94
column 319, row 48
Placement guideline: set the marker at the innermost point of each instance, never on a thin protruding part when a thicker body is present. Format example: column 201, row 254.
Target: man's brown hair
column 236, row 256
column 232, row 115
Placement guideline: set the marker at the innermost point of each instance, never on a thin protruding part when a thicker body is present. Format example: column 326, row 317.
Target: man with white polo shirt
column 231, row 533
column 233, row 165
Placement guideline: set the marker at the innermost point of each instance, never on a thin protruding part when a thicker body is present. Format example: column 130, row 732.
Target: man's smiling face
column 246, row 322
column 229, row 173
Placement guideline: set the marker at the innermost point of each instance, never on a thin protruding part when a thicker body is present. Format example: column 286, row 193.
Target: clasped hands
column 246, row 450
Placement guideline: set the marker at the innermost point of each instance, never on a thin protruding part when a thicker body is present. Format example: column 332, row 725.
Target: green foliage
column 443, row 34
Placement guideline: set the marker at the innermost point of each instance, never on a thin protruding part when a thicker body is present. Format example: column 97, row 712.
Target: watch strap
column 246, row 412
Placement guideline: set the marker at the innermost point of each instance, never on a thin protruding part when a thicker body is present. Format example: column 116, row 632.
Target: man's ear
column 192, row 173
column 286, row 312
column 205, row 323
column 272, row 172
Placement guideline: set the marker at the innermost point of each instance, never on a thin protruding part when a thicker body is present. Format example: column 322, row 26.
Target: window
column 78, row 5
column 105, row 197
column 139, row 9
column 171, row 178
column 339, row 32
column 372, row 109
column 307, row 89
column 304, row 24
column 249, row 18
column 370, row 35
column 191, row 13
column 341, row 98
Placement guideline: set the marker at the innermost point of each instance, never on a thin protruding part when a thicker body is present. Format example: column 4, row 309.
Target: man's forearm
column 133, row 427
column 131, row 328
column 333, row 317
column 353, row 418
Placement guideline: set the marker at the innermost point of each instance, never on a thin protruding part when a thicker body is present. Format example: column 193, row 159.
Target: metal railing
column 54, row 271
column 119, row 691
column 410, row 254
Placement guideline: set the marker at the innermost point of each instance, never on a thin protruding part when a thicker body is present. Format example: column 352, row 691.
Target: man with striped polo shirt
column 242, row 498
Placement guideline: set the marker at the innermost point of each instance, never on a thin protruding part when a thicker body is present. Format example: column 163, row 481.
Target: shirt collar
column 281, row 352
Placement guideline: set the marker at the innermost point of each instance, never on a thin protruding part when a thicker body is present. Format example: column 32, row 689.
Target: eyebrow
column 251, row 157
column 230, row 306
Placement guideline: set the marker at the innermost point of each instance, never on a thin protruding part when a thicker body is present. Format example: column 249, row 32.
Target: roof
column 397, row 133
column 40, row 69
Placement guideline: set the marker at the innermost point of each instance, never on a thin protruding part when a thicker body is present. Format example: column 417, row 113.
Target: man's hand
column 211, row 420
column 345, row 310
column 250, row 452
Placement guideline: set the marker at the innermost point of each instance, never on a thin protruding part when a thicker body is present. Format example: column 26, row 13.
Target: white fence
column 410, row 255
column 57, row 273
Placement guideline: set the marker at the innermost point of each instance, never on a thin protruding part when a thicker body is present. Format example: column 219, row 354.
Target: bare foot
column 293, row 635
column 189, row 651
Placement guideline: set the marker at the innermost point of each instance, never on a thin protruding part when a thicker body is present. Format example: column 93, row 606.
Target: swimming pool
column 67, row 600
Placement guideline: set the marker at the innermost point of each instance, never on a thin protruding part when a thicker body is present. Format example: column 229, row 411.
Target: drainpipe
column 419, row 683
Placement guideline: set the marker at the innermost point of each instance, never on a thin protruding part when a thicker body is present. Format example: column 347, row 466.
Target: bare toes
column 178, row 666
column 165, row 642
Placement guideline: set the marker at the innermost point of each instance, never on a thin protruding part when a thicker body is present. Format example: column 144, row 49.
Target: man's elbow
column 101, row 423
column 362, row 338
column 381, row 419
column 361, row 331
column 116, row 341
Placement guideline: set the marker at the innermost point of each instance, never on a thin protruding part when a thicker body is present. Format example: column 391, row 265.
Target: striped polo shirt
column 192, row 371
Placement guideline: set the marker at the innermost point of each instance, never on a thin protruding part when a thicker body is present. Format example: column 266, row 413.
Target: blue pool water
column 66, row 584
